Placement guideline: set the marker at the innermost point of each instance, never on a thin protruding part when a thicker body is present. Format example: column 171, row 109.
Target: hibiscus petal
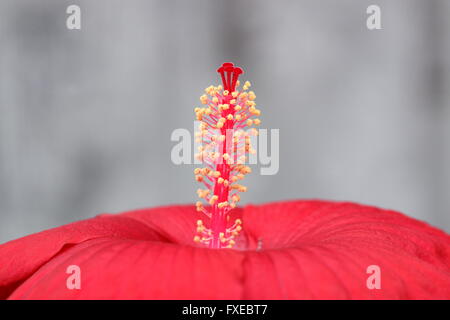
column 325, row 249
column 130, row 269
column 20, row 258
column 296, row 250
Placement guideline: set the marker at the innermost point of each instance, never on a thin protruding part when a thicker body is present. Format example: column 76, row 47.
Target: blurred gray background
column 86, row 116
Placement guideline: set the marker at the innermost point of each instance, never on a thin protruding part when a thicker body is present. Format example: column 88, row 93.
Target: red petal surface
column 133, row 269
column 294, row 250
column 321, row 250
column 22, row 257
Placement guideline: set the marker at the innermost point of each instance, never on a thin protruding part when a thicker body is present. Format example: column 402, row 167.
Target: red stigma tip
column 229, row 74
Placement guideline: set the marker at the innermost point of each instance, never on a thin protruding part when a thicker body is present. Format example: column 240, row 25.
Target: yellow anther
column 237, row 107
column 197, row 239
column 202, row 193
column 240, row 176
column 238, row 228
column 199, row 223
column 199, row 205
column 215, row 99
column 197, row 170
column 226, row 92
column 222, row 204
column 225, row 106
column 231, row 242
column 234, row 94
column 257, row 122
column 251, row 95
column 236, row 198
column 220, row 180
column 243, row 95
column 238, row 117
column 233, row 101
column 204, row 99
column 249, row 122
column 230, row 117
column 225, row 183
column 213, row 199
column 245, row 170
column 238, row 221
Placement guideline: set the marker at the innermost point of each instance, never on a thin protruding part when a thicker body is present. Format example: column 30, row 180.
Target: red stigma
column 229, row 74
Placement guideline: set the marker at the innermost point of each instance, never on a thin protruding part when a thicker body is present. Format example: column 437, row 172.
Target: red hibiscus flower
column 290, row 250
column 287, row 250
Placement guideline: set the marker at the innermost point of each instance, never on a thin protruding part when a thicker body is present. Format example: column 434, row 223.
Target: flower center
column 224, row 134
